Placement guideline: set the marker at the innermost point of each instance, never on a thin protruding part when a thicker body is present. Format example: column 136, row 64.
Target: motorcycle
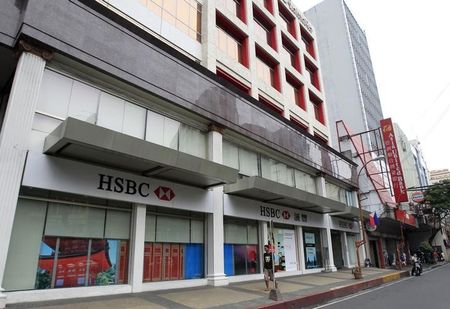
column 416, row 269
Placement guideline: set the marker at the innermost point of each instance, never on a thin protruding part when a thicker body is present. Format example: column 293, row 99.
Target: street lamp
column 357, row 272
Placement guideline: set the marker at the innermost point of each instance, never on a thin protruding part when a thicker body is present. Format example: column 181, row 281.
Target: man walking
column 268, row 266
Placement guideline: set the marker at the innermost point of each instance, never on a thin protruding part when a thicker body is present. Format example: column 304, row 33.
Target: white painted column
column 216, row 267
column 14, row 140
column 263, row 240
column 345, row 249
column 209, row 35
column 301, row 251
column 137, row 247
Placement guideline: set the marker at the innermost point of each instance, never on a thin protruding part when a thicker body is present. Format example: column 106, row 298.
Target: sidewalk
column 298, row 291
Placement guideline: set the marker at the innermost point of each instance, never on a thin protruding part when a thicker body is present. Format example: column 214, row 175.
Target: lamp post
column 357, row 272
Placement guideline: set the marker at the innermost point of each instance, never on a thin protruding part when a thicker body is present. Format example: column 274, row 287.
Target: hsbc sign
column 132, row 187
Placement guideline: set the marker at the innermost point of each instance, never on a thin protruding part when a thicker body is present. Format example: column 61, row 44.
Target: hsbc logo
column 164, row 193
column 285, row 214
column 131, row 187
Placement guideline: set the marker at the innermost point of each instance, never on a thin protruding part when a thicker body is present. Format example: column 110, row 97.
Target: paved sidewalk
column 299, row 291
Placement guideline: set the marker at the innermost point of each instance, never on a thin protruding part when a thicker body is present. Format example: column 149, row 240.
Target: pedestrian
column 435, row 256
column 268, row 266
column 403, row 258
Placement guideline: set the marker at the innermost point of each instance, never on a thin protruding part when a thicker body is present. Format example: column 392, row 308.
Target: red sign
column 393, row 160
column 164, row 193
column 417, row 196
column 405, row 218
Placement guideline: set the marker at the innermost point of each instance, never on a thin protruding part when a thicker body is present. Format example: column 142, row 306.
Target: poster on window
column 310, row 238
column 311, row 257
column 289, row 250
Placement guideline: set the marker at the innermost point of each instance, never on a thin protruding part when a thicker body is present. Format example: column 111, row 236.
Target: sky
column 409, row 42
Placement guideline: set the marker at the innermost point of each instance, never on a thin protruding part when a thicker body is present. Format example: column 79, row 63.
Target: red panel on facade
column 393, row 160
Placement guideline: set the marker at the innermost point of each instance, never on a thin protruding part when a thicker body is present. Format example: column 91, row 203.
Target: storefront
column 344, row 234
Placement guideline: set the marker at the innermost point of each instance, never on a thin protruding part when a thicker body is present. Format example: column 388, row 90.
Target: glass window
column 134, row 120
column 192, row 141
column 54, row 95
column 171, row 229
column 110, row 112
column 230, row 155
column 304, row 181
column 197, row 231
column 84, row 102
column 117, row 224
column 154, row 131
column 265, row 72
column 351, row 239
column 263, row 33
column 285, row 249
column 248, row 162
column 313, row 248
column 229, row 45
column 293, row 94
column 240, row 247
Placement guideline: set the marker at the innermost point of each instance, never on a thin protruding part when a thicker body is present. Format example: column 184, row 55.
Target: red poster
column 175, row 262
column 166, row 262
column 148, row 261
column 123, row 266
column 393, row 160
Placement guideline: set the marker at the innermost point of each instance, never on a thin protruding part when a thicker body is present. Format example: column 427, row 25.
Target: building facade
column 438, row 175
column 149, row 146
column 349, row 84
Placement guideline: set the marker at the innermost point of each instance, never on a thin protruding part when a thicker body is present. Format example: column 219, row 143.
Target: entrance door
column 337, row 249
column 374, row 253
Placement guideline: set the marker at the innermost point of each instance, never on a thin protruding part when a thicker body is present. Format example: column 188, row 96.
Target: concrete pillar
column 137, row 247
column 14, row 140
column 330, row 244
column 216, row 267
column 263, row 239
column 209, row 35
column 301, row 251
column 345, row 249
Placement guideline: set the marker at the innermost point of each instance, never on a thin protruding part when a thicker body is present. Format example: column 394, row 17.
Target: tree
column 437, row 197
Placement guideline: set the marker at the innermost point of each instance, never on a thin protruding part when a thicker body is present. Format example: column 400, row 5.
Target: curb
column 323, row 297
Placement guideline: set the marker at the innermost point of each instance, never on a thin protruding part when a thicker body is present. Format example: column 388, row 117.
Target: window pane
column 108, row 262
column 248, row 162
column 84, row 102
column 54, row 94
column 230, row 155
column 268, row 169
column 110, row 112
column 154, row 131
column 23, row 253
column 134, row 120
column 150, row 228
column 117, row 224
column 72, row 258
column 171, row 128
column 192, row 141
column 170, row 229
column 196, row 231
column 235, row 233
column 252, row 234
column 45, row 266
column 74, row 221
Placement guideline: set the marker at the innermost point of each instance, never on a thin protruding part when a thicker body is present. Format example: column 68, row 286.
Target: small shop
column 344, row 234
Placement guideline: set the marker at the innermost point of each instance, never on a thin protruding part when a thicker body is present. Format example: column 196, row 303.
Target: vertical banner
column 393, row 160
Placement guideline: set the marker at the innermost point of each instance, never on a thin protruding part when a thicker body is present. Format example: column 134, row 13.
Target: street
column 431, row 290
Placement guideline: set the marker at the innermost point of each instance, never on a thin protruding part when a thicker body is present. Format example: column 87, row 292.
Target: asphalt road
column 429, row 291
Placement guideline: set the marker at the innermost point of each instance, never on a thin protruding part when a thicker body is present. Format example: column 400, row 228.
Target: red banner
column 393, row 160
column 405, row 218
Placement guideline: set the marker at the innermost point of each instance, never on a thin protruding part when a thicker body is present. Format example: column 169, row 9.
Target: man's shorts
column 268, row 274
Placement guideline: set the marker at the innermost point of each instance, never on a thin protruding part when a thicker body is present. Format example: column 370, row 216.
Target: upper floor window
column 268, row 4
column 235, row 82
column 231, row 40
column 287, row 20
column 271, row 105
column 235, row 7
column 290, row 53
column 264, row 28
column 294, row 90
column 318, row 107
column 312, row 74
column 308, row 41
column 186, row 15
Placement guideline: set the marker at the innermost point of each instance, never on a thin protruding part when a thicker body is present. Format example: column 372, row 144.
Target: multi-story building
column 421, row 165
column 149, row 144
column 438, row 175
column 348, row 77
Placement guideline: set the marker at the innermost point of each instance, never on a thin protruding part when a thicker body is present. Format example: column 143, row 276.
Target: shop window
column 264, row 28
column 313, row 248
column 174, row 248
column 235, row 82
column 183, row 14
column 235, row 7
column 231, row 40
column 318, row 108
column 308, row 41
column 239, row 158
column 294, row 91
column 290, row 53
column 312, row 74
column 285, row 257
column 287, row 19
column 241, row 247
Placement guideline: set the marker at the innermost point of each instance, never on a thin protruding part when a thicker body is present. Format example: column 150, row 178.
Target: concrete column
column 330, row 244
column 263, row 239
column 216, row 267
column 209, row 35
column 301, row 251
column 14, row 140
column 137, row 247
column 345, row 249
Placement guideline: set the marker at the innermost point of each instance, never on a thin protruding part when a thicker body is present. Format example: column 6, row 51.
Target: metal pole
column 273, row 255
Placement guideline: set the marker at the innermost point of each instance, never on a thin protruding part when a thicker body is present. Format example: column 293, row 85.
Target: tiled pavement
column 237, row 295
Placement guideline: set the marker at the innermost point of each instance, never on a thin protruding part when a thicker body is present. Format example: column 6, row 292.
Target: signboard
column 404, row 217
column 310, row 238
column 418, row 197
column 393, row 160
